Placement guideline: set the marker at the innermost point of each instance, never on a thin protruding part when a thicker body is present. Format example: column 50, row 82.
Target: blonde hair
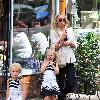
column 67, row 23
column 15, row 65
column 51, row 51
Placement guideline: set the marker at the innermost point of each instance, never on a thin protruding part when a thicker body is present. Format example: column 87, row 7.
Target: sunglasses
column 62, row 20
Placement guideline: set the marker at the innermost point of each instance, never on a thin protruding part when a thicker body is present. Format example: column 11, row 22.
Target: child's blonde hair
column 15, row 65
column 51, row 51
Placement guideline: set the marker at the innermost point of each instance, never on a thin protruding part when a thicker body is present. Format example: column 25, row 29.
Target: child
column 15, row 86
column 49, row 68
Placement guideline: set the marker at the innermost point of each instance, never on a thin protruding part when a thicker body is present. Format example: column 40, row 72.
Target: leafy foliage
column 87, row 56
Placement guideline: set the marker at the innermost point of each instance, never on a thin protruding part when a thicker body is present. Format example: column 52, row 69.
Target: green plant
column 87, row 57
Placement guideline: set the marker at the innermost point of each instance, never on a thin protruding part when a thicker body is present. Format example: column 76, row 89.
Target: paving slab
column 74, row 96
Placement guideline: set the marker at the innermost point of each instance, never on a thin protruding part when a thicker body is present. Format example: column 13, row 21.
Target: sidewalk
column 78, row 97
column 84, row 97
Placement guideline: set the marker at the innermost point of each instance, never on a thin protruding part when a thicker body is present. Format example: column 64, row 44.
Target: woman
column 63, row 40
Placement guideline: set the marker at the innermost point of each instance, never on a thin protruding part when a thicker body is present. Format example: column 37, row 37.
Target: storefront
column 30, row 72
column 6, row 36
column 5, row 27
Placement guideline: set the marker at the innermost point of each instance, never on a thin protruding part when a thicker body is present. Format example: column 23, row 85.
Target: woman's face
column 61, row 20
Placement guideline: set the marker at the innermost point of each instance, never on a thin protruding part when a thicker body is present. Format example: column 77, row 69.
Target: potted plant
column 87, row 61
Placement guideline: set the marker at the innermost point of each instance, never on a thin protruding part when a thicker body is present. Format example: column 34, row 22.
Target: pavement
column 84, row 97
column 73, row 96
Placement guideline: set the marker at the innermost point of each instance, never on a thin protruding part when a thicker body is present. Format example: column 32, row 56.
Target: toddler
column 16, row 89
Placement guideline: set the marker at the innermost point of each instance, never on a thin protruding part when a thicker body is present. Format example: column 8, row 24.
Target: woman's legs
column 66, row 80
column 70, row 79
column 61, row 81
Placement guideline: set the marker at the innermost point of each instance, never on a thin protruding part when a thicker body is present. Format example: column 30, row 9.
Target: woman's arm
column 7, row 91
column 59, row 44
column 55, row 43
column 24, row 89
column 69, row 43
column 63, row 36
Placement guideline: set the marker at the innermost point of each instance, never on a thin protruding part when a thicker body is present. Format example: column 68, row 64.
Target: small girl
column 49, row 87
column 16, row 89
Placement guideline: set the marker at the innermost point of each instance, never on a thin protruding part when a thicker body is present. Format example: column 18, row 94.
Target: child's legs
column 46, row 98
column 56, row 97
column 53, row 97
column 50, row 98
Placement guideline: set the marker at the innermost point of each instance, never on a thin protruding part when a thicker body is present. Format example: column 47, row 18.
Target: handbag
column 61, row 58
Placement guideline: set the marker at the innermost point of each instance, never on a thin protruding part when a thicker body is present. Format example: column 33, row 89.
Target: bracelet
column 59, row 44
column 62, row 43
column 70, row 44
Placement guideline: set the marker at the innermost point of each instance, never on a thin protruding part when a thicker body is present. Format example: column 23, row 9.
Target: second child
column 49, row 68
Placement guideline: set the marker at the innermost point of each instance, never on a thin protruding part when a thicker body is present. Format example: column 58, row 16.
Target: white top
column 68, row 52
column 49, row 80
column 22, row 45
column 49, row 74
column 15, row 91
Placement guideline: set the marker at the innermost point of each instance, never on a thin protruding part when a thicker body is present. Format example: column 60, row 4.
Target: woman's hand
column 63, row 36
column 58, row 46
column 68, row 43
